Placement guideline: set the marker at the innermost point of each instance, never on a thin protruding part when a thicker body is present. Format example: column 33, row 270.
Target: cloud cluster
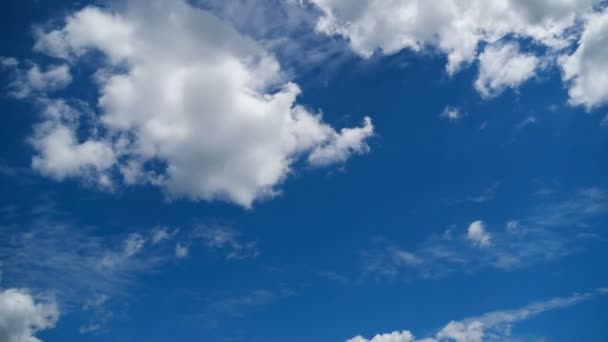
column 492, row 326
column 186, row 103
column 22, row 316
column 458, row 28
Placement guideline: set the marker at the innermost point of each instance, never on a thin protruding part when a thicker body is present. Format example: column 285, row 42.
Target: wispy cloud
column 88, row 269
column 486, row 195
column 226, row 239
column 530, row 120
column 558, row 226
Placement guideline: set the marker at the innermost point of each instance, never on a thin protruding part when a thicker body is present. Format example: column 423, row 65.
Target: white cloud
column 340, row 146
column 181, row 251
column 530, row 120
column 451, row 113
column 478, row 235
column 22, row 316
column 224, row 238
column 186, row 103
column 395, row 336
column 513, row 226
column 585, row 69
column 456, row 27
column 502, row 66
column 496, row 325
column 406, row 258
column 61, row 155
column 132, row 245
column 35, row 80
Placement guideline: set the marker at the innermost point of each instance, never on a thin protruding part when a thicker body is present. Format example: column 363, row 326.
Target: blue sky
column 317, row 170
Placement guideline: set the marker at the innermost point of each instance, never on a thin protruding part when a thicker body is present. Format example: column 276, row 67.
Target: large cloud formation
column 21, row 316
column 459, row 28
column 186, row 103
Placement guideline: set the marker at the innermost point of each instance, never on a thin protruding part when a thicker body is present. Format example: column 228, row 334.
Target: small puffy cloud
column 478, row 235
column 342, row 145
column 36, row 80
column 502, row 66
column 61, row 155
column 452, row 113
column 181, row 251
column 22, row 316
column 186, row 103
column 160, row 234
column 513, row 226
column 585, row 69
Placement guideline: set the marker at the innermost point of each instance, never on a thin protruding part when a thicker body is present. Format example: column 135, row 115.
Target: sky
column 304, row 170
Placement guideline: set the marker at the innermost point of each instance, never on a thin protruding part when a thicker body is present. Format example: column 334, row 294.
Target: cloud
column 451, row 113
column 584, row 70
column 530, row 120
column 228, row 240
column 458, row 28
column 22, row 316
column 100, row 315
column 132, row 246
column 478, row 235
column 502, row 66
column 556, row 227
column 181, row 251
column 35, row 81
column 487, row 194
column 213, row 119
column 89, row 272
column 492, row 326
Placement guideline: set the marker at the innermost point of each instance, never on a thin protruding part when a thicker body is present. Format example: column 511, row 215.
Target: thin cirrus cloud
column 213, row 119
column 496, row 325
column 458, row 28
column 554, row 229
column 87, row 272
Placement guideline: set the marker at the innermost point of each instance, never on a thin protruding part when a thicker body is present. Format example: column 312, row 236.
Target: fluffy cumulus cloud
column 478, row 235
column 34, row 79
column 502, row 66
column 586, row 68
column 21, row 316
column 458, row 27
column 491, row 326
column 186, row 103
